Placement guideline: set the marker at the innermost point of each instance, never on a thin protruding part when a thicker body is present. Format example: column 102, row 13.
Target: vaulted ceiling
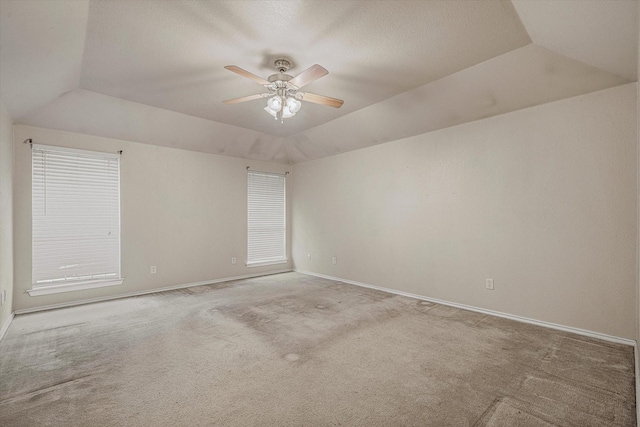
column 152, row 72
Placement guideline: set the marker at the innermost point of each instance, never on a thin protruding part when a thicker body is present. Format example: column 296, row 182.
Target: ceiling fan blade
column 307, row 76
column 245, row 73
column 322, row 100
column 243, row 99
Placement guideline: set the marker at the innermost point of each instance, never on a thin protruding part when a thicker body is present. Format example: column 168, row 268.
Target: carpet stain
column 506, row 412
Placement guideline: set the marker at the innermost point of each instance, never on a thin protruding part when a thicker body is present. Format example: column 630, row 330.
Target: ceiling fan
column 284, row 90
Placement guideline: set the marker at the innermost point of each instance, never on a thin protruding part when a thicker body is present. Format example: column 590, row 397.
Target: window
column 266, row 219
column 75, row 219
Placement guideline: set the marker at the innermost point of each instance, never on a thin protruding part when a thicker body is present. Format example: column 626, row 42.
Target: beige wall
column 542, row 200
column 182, row 211
column 6, row 214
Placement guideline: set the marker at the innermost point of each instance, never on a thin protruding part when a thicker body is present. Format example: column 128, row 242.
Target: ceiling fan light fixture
column 286, row 112
column 293, row 104
column 270, row 111
column 274, row 103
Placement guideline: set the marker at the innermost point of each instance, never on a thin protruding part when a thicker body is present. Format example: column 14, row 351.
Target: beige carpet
column 295, row 350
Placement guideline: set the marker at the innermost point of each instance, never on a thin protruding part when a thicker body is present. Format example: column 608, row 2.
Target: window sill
column 56, row 289
column 263, row 263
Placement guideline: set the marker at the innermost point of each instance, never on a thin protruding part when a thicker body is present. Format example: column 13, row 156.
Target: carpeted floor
column 296, row 350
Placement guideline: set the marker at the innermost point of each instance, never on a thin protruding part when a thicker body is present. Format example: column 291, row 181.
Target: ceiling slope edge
column 522, row 78
column 91, row 113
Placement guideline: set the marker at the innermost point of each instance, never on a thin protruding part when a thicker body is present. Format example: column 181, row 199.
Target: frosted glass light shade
column 289, row 109
column 294, row 105
column 286, row 112
column 270, row 111
column 274, row 103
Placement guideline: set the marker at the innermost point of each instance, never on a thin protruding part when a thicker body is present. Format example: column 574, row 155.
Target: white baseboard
column 6, row 326
column 150, row 291
column 578, row 331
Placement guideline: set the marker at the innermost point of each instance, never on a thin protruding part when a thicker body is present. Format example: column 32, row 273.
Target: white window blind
column 266, row 218
column 75, row 217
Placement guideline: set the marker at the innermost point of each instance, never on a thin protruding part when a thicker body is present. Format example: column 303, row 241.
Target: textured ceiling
column 175, row 52
column 153, row 71
column 604, row 35
column 41, row 46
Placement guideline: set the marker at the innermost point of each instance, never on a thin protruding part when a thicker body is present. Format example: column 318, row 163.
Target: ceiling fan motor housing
column 282, row 65
column 279, row 77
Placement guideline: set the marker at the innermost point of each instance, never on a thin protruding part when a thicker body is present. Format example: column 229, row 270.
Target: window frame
column 80, row 284
column 274, row 261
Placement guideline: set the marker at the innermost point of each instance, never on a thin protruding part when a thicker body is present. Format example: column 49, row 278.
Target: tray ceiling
column 153, row 71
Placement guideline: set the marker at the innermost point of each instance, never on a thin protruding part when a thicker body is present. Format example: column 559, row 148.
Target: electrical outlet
column 489, row 284
column 233, row 260
column 308, row 256
column 153, row 269
column 334, row 260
